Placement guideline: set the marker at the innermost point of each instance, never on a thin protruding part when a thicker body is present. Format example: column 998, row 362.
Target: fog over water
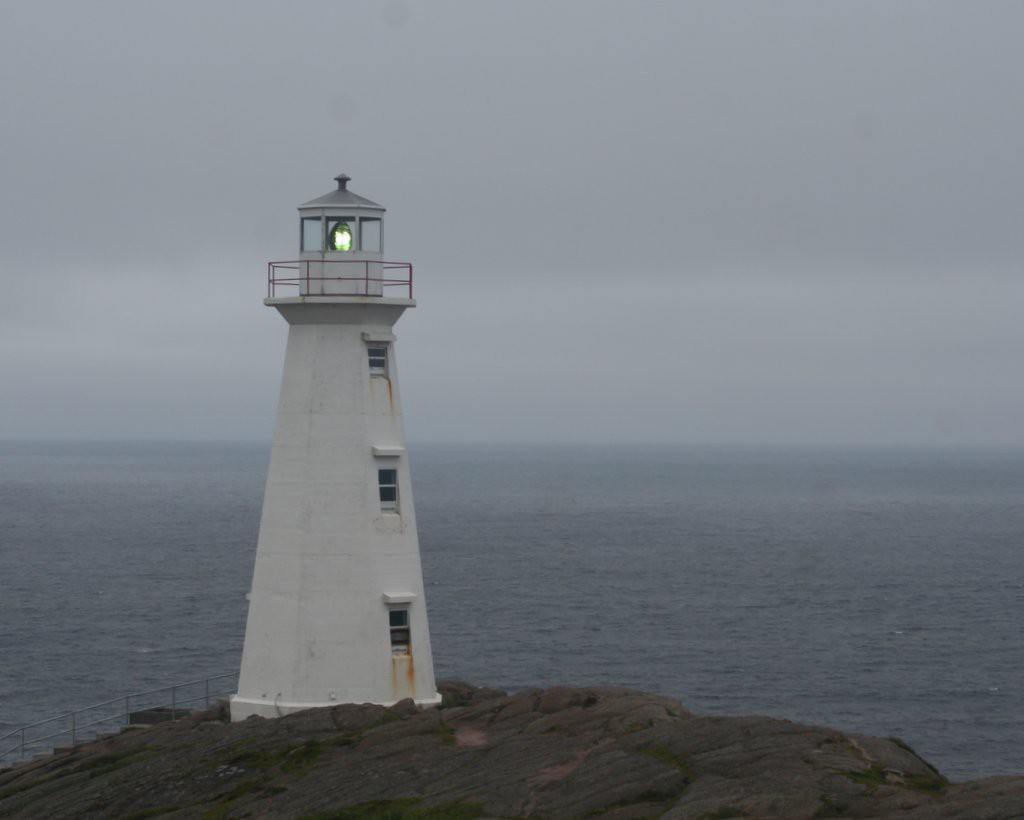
column 692, row 222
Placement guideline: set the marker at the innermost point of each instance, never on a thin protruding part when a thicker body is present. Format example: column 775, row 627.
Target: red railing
column 310, row 277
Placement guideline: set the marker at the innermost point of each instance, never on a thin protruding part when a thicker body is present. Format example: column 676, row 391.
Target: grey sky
column 742, row 221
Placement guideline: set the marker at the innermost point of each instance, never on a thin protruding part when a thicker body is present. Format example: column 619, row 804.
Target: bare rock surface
column 605, row 753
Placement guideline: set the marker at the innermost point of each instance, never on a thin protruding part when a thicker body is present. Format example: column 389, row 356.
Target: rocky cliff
column 554, row 753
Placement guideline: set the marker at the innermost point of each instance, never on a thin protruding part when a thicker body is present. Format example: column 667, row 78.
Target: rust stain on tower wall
column 407, row 688
column 410, row 674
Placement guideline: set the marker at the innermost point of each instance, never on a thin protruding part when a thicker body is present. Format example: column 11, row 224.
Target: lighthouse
column 336, row 609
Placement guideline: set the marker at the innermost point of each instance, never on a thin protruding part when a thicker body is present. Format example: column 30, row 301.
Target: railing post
column 127, row 711
column 207, row 682
column 410, row 280
column 366, row 278
column 307, row 277
column 22, row 741
column 174, row 714
column 74, row 734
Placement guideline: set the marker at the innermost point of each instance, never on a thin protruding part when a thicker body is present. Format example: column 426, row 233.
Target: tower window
column 388, row 482
column 378, row 357
column 398, row 623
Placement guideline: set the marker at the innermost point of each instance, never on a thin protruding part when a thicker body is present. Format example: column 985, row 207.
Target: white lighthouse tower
column 337, row 612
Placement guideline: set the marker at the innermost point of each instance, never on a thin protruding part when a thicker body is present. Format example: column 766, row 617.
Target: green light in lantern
column 341, row 237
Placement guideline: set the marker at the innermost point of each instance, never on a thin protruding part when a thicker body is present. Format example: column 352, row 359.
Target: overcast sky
column 672, row 222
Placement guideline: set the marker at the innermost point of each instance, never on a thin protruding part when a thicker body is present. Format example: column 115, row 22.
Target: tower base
column 242, row 708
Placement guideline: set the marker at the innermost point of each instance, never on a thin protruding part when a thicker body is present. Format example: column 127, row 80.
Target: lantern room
column 341, row 244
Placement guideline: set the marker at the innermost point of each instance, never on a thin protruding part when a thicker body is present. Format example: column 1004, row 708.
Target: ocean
column 873, row 590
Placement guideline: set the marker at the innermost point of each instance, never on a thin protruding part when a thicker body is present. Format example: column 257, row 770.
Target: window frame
column 380, row 234
column 384, row 488
column 377, row 369
column 400, row 634
column 302, row 233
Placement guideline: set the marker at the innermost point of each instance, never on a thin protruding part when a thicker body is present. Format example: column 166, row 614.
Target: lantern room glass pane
column 311, row 237
column 339, row 235
column 369, row 236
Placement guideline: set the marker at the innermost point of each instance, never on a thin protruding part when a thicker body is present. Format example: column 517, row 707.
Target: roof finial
column 342, row 181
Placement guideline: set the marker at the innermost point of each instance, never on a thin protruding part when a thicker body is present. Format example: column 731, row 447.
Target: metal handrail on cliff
column 78, row 730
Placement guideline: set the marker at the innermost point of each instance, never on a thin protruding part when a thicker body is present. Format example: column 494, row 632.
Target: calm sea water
column 878, row 591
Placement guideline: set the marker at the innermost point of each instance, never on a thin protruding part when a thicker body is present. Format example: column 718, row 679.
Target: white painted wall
column 328, row 558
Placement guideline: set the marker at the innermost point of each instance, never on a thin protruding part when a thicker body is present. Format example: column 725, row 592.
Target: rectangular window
column 388, row 482
column 311, row 235
column 398, row 623
column 369, row 234
column 378, row 356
